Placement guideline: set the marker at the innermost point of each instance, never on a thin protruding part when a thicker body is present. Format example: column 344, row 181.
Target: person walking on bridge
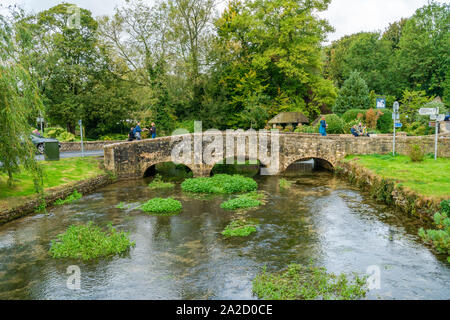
column 153, row 130
column 137, row 131
column 323, row 127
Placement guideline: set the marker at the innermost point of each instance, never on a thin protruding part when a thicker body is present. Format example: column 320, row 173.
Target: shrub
column 416, row 153
column 306, row 129
column 158, row 183
column 349, row 125
column 219, row 184
column 289, row 128
column 162, row 206
column 73, row 197
column 354, row 114
column 53, row 132
column 239, row 228
column 300, row 282
column 445, row 206
column 354, row 93
column 89, row 242
column 372, row 118
column 335, row 124
column 385, row 122
column 440, row 237
column 66, row 137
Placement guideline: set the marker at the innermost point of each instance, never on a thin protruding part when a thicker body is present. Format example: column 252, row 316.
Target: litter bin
column 51, row 151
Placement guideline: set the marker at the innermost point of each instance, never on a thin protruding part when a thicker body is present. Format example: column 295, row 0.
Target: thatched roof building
column 286, row 118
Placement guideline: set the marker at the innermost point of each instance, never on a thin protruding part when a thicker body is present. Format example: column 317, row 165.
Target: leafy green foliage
column 354, row 94
column 445, row 206
column 19, row 101
column 239, row 203
column 385, row 122
column 439, row 238
column 306, row 129
column 299, row 282
column 89, row 242
column 354, row 114
column 220, row 184
column 73, row 197
column 416, row 153
column 335, row 124
column 240, row 228
column 158, row 183
column 162, row 206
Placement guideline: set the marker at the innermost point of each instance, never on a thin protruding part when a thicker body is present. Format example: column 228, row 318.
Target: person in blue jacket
column 137, row 131
column 323, row 127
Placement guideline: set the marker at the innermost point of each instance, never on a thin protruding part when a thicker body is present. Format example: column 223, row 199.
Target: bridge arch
column 322, row 161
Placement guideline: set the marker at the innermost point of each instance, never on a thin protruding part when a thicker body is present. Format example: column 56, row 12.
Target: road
column 74, row 154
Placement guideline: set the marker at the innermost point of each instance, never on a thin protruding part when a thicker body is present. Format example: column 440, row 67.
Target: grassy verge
column 89, row 242
column 56, row 173
column 300, row 282
column 429, row 177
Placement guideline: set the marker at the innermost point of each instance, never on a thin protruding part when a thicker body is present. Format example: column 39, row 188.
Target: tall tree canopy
column 271, row 58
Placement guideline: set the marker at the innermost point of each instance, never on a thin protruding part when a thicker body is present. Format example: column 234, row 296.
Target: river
column 321, row 218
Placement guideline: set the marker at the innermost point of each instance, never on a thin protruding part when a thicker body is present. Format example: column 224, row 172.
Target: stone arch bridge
column 133, row 159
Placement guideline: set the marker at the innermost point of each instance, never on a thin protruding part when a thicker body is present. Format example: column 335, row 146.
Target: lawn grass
column 429, row 177
column 56, row 173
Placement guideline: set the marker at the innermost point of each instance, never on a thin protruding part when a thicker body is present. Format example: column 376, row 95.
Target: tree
column 19, row 100
column 354, row 94
column 423, row 57
column 410, row 104
column 272, row 49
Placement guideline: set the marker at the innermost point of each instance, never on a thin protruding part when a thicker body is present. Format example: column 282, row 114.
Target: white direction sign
column 440, row 117
column 395, row 116
column 427, row 111
column 433, row 117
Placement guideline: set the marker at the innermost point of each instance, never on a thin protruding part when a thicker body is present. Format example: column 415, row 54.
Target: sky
column 346, row 16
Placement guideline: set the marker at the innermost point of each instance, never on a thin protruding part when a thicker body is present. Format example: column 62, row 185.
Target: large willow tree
column 19, row 101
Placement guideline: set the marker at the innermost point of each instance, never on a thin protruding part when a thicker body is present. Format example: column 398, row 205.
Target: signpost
column 81, row 135
column 395, row 116
column 381, row 103
column 40, row 120
column 434, row 115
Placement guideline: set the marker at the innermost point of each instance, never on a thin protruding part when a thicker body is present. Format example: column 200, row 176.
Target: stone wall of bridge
column 132, row 159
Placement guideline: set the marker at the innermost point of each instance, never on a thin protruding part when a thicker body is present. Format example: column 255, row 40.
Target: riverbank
column 61, row 178
column 416, row 188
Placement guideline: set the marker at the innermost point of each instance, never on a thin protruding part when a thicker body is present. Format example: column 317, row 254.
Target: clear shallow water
column 185, row 257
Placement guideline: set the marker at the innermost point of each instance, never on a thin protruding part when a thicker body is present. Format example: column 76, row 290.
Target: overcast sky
column 346, row 16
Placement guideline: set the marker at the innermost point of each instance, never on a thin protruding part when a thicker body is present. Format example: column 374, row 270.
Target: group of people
column 136, row 132
column 359, row 130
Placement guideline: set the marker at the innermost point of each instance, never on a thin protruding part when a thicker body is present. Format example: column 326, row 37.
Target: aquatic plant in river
column 220, row 184
column 239, row 228
column 300, row 282
column 439, row 238
column 162, row 206
column 73, row 197
column 89, row 241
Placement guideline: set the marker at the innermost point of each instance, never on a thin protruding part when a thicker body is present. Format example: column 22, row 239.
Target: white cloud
column 352, row 16
column 346, row 16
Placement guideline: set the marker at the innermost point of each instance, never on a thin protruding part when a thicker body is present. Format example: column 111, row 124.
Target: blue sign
column 398, row 125
column 381, row 103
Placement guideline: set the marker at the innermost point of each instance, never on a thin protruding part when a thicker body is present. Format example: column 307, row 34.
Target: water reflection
column 185, row 257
